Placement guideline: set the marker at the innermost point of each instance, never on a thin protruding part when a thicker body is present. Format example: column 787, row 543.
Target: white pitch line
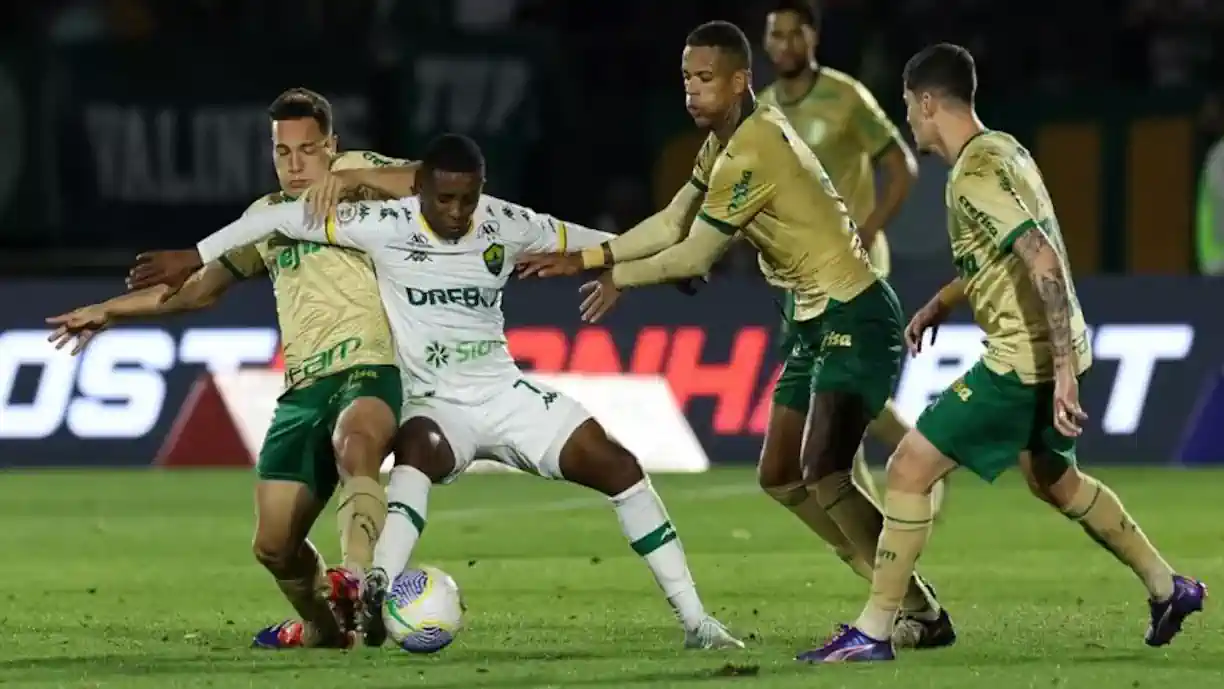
column 594, row 502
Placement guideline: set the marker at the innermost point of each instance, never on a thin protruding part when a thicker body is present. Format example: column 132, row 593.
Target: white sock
column 407, row 495
column 644, row 522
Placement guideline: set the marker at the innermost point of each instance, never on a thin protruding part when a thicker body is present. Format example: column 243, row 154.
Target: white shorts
column 523, row 425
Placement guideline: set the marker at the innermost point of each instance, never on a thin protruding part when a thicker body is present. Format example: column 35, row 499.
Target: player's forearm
column 951, row 294
column 900, row 172
column 286, row 218
column 1050, row 281
column 649, row 237
column 692, row 257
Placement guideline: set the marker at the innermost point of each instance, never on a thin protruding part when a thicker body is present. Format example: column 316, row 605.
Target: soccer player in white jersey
column 443, row 258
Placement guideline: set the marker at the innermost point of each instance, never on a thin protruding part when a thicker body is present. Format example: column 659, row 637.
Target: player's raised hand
column 1069, row 417
column 550, row 265
column 323, row 196
column 170, row 268
column 929, row 317
column 601, row 296
column 78, row 327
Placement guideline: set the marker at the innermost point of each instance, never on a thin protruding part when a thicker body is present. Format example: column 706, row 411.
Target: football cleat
column 912, row 632
column 710, row 634
column 1168, row 615
column 292, row 634
column 343, row 596
column 373, row 599
column 849, row 645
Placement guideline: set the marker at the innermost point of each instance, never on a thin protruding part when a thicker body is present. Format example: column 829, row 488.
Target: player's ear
column 741, row 81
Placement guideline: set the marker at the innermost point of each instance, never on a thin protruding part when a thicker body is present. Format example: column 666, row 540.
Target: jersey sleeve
column 738, row 191
column 874, row 131
column 703, row 165
column 546, row 233
column 356, row 160
column 362, row 225
column 987, row 193
column 243, row 262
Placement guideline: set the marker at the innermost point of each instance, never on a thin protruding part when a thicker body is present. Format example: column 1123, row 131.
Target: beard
column 792, row 71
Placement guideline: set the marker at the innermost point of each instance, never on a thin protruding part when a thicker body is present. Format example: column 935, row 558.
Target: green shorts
column 984, row 420
column 853, row 347
column 298, row 446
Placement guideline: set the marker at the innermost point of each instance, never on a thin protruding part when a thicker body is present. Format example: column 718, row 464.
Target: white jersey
column 443, row 298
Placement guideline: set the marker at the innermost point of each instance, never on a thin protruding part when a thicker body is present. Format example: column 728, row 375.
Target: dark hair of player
column 808, row 10
column 453, row 153
column 726, row 37
column 943, row 67
column 299, row 104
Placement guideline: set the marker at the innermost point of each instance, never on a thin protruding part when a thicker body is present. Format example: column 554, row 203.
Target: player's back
column 327, row 300
column 783, row 201
column 845, row 127
column 995, row 193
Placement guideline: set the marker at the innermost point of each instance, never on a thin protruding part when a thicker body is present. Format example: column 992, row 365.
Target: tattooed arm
column 1050, row 281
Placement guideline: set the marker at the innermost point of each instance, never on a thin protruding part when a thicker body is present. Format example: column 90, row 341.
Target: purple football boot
column 849, row 645
column 1168, row 616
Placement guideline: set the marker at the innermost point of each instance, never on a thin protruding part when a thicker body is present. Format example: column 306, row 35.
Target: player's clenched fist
column 550, row 265
column 78, row 327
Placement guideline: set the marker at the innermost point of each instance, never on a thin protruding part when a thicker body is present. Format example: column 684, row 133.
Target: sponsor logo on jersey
column 322, row 363
column 494, row 258
column 440, row 354
column 471, row 297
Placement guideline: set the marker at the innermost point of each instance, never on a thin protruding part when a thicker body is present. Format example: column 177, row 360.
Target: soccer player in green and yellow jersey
column 341, row 404
column 1020, row 402
column 839, row 119
column 756, row 177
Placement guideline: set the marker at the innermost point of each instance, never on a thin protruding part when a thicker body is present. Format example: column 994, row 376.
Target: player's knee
column 915, row 465
column 358, row 452
column 590, row 458
column 1052, row 481
column 420, row 444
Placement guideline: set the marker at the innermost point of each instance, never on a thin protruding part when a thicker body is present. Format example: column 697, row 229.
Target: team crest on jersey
column 346, row 213
column 488, row 229
column 494, row 258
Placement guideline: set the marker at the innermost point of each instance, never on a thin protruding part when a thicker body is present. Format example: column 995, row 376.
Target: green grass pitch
column 144, row 580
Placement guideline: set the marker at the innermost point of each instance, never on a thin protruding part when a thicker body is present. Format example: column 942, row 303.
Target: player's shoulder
column 269, row 200
column 986, row 154
column 768, row 95
column 761, row 131
column 497, row 217
column 359, row 160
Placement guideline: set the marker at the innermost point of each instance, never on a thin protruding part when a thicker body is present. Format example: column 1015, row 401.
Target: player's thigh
column 859, row 346
column 285, row 510
column 297, row 447
column 982, row 421
column 437, row 437
column 530, row 423
column 590, row 457
column 880, row 255
column 370, row 404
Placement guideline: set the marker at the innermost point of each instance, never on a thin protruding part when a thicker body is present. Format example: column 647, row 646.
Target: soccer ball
column 424, row 610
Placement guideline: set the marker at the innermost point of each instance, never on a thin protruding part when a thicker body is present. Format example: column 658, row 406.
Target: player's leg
column 361, row 439
column 1053, row 476
column 290, row 494
column 433, row 445
column 556, row 438
column 780, row 470
column 860, row 350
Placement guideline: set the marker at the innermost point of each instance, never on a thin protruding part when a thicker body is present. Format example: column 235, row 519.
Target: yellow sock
column 907, row 526
column 796, row 498
column 361, row 514
column 1100, row 513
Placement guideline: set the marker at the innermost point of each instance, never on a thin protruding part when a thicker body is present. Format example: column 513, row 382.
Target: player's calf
column 592, row 459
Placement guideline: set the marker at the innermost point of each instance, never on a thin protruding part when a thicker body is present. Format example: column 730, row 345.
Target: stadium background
column 133, row 124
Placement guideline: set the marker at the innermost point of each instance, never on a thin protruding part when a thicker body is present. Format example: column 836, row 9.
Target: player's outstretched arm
column 200, row 291
column 652, row 235
column 692, row 257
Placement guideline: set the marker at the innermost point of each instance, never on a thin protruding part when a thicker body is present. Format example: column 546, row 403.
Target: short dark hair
column 943, row 67
column 808, row 10
column 302, row 103
column 724, row 36
column 453, row 153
